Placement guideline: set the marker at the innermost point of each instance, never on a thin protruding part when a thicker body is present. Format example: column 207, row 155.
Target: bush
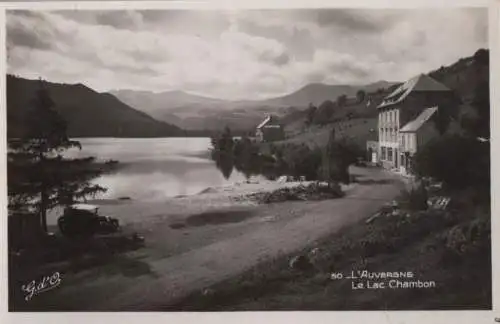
column 415, row 198
column 313, row 191
column 338, row 156
column 469, row 237
column 455, row 160
column 302, row 161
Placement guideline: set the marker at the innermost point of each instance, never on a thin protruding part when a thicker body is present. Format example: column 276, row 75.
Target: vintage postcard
column 196, row 157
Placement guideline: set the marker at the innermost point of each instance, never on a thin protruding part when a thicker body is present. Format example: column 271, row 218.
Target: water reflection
column 225, row 164
column 154, row 169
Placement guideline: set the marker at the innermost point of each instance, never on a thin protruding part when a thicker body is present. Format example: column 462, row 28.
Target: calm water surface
column 156, row 168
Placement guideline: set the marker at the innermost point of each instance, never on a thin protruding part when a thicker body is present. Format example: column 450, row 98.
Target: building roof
column 421, row 82
column 421, row 119
column 266, row 121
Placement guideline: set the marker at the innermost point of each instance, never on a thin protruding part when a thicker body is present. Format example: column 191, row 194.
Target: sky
column 247, row 54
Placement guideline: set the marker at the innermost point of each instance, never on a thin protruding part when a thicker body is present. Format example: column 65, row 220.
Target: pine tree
column 39, row 176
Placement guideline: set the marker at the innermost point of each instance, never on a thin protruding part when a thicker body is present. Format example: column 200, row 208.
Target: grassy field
column 451, row 249
column 360, row 129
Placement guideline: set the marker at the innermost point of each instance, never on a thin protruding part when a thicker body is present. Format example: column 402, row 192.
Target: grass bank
column 451, row 249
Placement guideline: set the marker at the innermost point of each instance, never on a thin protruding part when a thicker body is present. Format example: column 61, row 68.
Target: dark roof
column 421, row 119
column 421, row 82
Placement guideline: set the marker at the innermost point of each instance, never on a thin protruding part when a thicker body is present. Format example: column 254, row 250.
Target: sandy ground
column 194, row 242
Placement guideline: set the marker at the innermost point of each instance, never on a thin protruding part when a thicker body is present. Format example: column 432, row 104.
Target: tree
column 225, row 164
column 482, row 56
column 223, row 143
column 325, row 112
column 300, row 160
column 341, row 100
column 481, row 103
column 477, row 122
column 457, row 161
column 340, row 153
column 40, row 177
column 361, row 95
column 311, row 111
column 327, row 163
column 445, row 114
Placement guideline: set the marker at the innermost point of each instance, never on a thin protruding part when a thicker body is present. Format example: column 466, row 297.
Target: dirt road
column 203, row 254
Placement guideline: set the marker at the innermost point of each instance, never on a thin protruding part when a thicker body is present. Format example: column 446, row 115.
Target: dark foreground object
column 84, row 221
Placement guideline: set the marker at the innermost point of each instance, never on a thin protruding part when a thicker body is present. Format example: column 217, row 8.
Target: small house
column 270, row 129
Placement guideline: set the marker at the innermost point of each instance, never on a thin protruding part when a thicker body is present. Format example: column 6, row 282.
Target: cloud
column 27, row 29
column 241, row 54
column 364, row 21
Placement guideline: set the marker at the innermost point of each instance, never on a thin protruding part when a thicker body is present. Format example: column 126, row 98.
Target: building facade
column 270, row 129
column 404, row 105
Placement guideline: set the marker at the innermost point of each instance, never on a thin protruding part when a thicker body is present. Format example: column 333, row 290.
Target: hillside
column 464, row 75
column 355, row 119
column 194, row 112
column 88, row 113
column 359, row 120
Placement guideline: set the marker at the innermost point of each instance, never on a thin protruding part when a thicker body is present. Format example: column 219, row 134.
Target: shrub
column 471, row 236
column 338, row 156
column 415, row 198
column 302, row 161
column 455, row 160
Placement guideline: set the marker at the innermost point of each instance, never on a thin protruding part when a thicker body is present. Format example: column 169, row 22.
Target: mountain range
column 88, row 113
column 190, row 111
column 130, row 113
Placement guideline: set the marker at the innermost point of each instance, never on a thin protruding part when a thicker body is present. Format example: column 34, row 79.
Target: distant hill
column 194, row 112
column 88, row 113
column 316, row 93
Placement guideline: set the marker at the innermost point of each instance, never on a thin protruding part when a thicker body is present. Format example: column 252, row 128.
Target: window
column 382, row 153
column 403, row 140
column 389, row 154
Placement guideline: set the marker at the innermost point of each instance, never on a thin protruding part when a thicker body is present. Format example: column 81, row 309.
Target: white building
column 402, row 116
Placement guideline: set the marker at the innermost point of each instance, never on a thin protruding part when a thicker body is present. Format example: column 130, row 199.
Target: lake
column 155, row 168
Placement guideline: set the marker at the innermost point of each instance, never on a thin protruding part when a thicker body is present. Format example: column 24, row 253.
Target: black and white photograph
column 271, row 159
